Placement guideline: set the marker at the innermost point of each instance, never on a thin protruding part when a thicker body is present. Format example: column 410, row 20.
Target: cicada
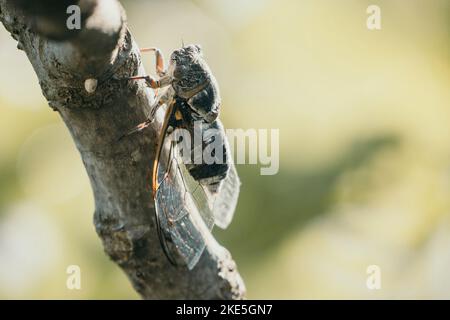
column 190, row 195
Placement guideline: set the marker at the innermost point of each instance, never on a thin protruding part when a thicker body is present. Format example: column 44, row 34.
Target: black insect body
column 209, row 174
column 190, row 196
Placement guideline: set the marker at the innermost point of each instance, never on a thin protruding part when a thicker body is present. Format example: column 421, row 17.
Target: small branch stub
column 90, row 85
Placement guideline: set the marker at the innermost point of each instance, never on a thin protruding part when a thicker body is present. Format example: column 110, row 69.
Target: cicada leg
column 147, row 122
column 160, row 67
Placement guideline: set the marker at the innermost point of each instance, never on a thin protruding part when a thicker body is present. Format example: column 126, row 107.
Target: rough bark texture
column 119, row 172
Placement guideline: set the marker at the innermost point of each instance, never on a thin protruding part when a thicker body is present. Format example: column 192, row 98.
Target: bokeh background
column 364, row 119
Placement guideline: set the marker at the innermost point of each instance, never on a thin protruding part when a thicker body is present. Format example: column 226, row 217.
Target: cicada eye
column 180, row 71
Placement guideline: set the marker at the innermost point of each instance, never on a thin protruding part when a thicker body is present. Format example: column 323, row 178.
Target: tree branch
column 96, row 113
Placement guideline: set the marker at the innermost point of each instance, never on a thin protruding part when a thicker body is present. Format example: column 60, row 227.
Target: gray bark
column 120, row 172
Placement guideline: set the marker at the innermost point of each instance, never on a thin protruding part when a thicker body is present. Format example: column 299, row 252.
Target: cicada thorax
column 207, row 159
column 197, row 86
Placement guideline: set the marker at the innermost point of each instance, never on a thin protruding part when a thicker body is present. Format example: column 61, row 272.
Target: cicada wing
column 181, row 207
column 226, row 199
column 186, row 208
column 222, row 190
column 223, row 199
column 199, row 197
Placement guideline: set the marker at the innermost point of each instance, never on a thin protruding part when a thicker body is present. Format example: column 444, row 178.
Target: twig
column 80, row 75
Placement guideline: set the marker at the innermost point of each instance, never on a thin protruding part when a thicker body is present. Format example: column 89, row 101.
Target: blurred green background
column 364, row 119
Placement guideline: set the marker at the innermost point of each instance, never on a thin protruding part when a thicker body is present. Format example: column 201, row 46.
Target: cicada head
column 182, row 60
column 186, row 54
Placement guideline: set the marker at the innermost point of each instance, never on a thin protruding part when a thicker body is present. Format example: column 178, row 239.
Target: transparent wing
column 226, row 199
column 187, row 209
column 181, row 207
column 223, row 200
